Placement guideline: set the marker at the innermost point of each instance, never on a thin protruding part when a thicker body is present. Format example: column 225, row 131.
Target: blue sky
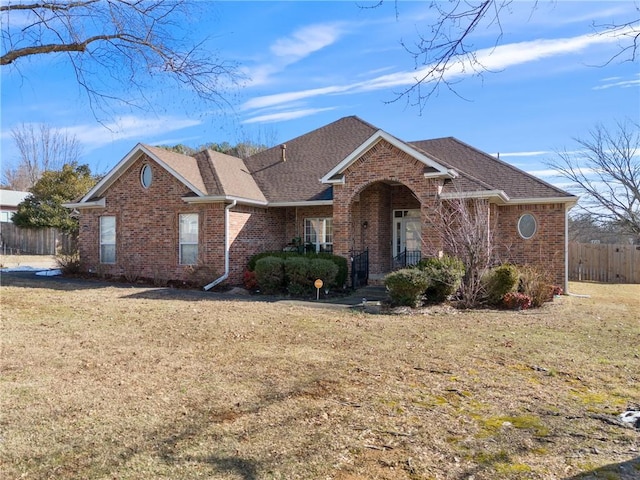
column 309, row 63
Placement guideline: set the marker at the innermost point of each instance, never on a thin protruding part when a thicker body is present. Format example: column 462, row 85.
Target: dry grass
column 103, row 381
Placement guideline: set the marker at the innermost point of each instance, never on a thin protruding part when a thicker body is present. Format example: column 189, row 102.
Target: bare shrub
column 131, row 268
column 69, row 262
column 536, row 283
column 464, row 230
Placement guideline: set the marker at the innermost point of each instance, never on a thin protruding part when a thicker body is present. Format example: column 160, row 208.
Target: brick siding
column 382, row 180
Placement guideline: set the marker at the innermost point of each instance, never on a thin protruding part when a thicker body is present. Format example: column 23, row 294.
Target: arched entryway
column 385, row 220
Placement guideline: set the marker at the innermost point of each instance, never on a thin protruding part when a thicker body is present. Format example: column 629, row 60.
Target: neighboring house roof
column 302, row 171
column 9, row 199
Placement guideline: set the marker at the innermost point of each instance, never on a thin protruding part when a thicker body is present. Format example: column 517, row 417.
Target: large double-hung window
column 108, row 239
column 319, row 233
column 188, row 238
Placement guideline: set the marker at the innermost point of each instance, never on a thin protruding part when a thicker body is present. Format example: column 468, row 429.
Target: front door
column 407, row 241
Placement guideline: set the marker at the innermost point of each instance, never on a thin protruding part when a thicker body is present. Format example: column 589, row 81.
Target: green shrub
column 535, row 282
column 324, row 269
column 499, row 281
column 343, row 268
column 296, row 274
column 444, row 274
column 406, row 286
column 270, row 274
column 341, row 262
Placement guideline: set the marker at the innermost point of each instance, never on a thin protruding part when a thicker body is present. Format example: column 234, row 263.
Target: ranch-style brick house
column 347, row 187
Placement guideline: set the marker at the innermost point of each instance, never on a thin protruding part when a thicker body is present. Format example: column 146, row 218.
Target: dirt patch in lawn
column 103, row 381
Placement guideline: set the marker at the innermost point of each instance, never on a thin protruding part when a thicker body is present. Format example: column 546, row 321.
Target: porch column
column 431, row 241
column 341, row 227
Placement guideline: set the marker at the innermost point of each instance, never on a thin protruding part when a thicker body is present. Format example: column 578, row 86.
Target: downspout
column 566, row 248
column 226, row 248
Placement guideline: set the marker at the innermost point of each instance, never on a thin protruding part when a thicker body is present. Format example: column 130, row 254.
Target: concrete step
column 373, row 293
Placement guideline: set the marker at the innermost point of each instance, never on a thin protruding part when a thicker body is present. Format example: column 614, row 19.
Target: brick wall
column 253, row 230
column 384, row 178
column 545, row 248
column 147, row 241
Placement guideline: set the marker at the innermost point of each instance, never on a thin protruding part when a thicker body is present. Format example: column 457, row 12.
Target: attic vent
column 283, row 148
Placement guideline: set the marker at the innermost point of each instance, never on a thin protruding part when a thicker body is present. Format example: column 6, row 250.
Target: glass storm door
column 406, row 235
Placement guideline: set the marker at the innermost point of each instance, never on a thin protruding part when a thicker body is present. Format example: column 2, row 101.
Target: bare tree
column 605, row 170
column 463, row 227
column 40, row 148
column 446, row 45
column 122, row 40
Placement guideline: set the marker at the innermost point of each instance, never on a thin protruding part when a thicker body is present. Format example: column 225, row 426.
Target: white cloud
column 494, row 59
column 293, row 48
column 613, row 82
column 306, row 40
column 126, row 127
column 289, row 115
column 524, row 154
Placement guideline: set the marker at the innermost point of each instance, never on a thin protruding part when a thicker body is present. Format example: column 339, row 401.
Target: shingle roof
column 488, row 171
column 232, row 178
column 308, row 158
column 184, row 165
column 269, row 177
column 311, row 156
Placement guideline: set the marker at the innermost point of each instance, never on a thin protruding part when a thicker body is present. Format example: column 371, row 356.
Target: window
column 527, row 226
column 188, row 238
column 146, row 176
column 108, row 239
column 319, row 233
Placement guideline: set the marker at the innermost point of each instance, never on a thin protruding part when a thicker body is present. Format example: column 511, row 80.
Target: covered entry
column 386, row 222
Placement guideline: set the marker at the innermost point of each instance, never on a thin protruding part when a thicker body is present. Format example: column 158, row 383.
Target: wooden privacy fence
column 34, row 241
column 604, row 263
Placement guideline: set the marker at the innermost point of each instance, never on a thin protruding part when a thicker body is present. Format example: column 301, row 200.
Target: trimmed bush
column 444, row 274
column 324, row 269
column 296, row 274
column 499, row 281
column 270, row 274
column 406, row 286
column 341, row 262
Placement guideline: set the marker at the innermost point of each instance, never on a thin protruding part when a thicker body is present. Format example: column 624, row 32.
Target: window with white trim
column 146, row 175
column 319, row 233
column 108, row 239
column 527, row 226
column 188, row 238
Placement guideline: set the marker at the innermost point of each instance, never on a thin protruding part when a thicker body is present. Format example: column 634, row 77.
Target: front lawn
column 106, row 381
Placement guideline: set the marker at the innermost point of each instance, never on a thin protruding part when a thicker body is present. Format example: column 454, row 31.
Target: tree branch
column 13, row 55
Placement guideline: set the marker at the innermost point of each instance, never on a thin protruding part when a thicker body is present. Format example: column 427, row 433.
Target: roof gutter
column 100, row 203
column 225, row 198
column 226, row 248
column 482, row 194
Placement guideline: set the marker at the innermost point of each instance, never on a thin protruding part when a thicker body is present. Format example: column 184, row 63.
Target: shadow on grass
column 147, row 292
column 629, row 470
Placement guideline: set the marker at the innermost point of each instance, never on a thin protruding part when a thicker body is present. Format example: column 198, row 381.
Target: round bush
column 444, row 274
column 500, row 281
column 297, row 275
column 270, row 274
column 406, row 286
